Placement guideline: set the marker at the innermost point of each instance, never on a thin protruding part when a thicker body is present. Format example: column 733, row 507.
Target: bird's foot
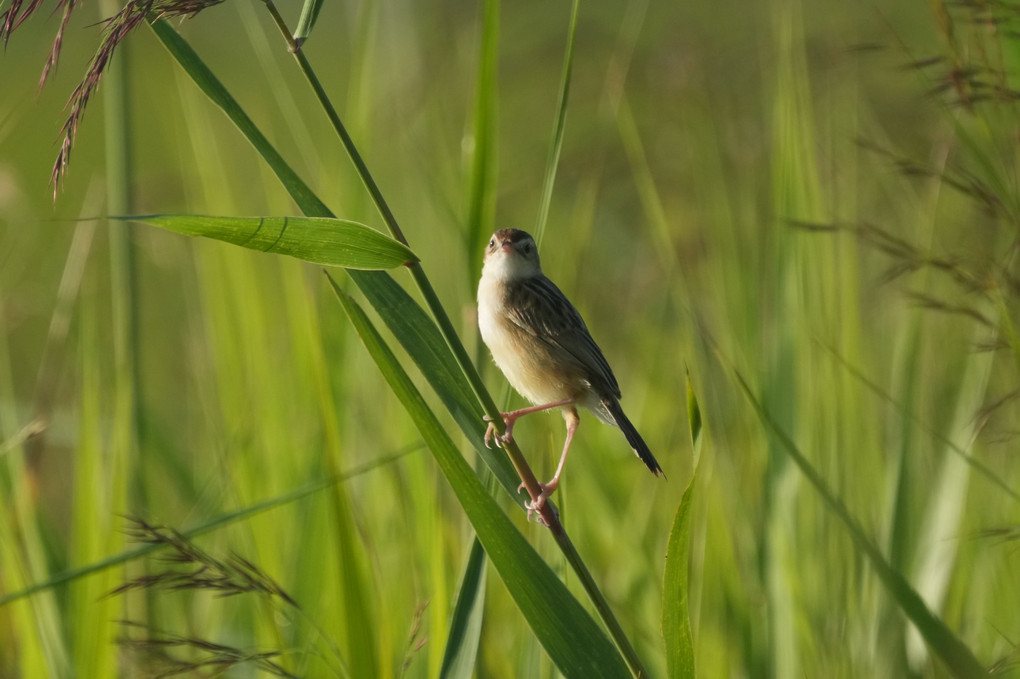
column 535, row 505
column 490, row 431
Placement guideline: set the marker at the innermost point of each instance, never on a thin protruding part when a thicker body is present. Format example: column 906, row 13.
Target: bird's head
column 511, row 255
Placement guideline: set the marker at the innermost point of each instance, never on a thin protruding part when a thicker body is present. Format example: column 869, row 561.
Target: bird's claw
column 535, row 506
column 491, row 436
column 490, row 431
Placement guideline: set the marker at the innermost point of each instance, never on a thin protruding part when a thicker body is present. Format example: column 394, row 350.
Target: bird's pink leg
column 550, row 487
column 513, row 416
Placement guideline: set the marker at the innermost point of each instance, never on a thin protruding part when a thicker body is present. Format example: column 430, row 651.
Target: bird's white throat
column 506, row 267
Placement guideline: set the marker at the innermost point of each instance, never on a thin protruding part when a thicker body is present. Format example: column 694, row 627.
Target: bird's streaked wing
column 540, row 308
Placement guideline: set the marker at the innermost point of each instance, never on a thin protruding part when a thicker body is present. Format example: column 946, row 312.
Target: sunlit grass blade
column 319, row 240
column 466, row 626
column 941, row 640
column 676, row 617
column 571, row 638
column 938, row 544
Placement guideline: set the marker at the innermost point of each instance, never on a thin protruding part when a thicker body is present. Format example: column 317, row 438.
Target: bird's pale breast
column 528, row 363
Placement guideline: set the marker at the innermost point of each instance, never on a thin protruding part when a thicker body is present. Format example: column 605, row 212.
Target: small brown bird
column 540, row 342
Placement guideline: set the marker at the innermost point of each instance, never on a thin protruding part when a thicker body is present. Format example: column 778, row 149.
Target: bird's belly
column 528, row 363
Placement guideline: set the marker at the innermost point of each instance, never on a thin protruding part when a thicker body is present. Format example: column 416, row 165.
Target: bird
column 539, row 341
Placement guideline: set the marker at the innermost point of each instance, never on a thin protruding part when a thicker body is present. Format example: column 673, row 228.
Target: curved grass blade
column 676, row 621
column 941, row 640
column 330, row 242
column 573, row 640
column 424, row 343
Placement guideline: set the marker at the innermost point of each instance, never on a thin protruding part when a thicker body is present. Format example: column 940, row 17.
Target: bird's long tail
column 633, row 437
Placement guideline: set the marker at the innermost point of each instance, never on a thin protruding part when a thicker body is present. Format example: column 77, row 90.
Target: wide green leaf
column 320, row 240
column 573, row 640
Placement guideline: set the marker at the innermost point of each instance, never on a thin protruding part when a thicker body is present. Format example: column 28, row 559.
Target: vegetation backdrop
column 811, row 209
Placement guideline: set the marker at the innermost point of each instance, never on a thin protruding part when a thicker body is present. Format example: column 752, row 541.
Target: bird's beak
column 507, row 246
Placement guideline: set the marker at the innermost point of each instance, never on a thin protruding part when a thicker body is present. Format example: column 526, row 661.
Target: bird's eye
column 492, row 243
column 526, row 248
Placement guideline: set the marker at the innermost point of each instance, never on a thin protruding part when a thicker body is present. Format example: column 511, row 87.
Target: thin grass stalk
column 548, row 512
column 553, row 160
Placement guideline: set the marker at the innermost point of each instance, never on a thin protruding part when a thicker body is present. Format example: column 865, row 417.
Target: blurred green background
column 699, row 141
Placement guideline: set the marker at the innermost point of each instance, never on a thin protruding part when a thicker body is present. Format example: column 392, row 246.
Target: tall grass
column 714, row 210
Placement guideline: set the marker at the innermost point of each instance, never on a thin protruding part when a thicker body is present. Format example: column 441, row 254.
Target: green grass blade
column 329, row 242
column 466, row 626
column 571, row 638
column 938, row 548
column 941, row 640
column 676, row 619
